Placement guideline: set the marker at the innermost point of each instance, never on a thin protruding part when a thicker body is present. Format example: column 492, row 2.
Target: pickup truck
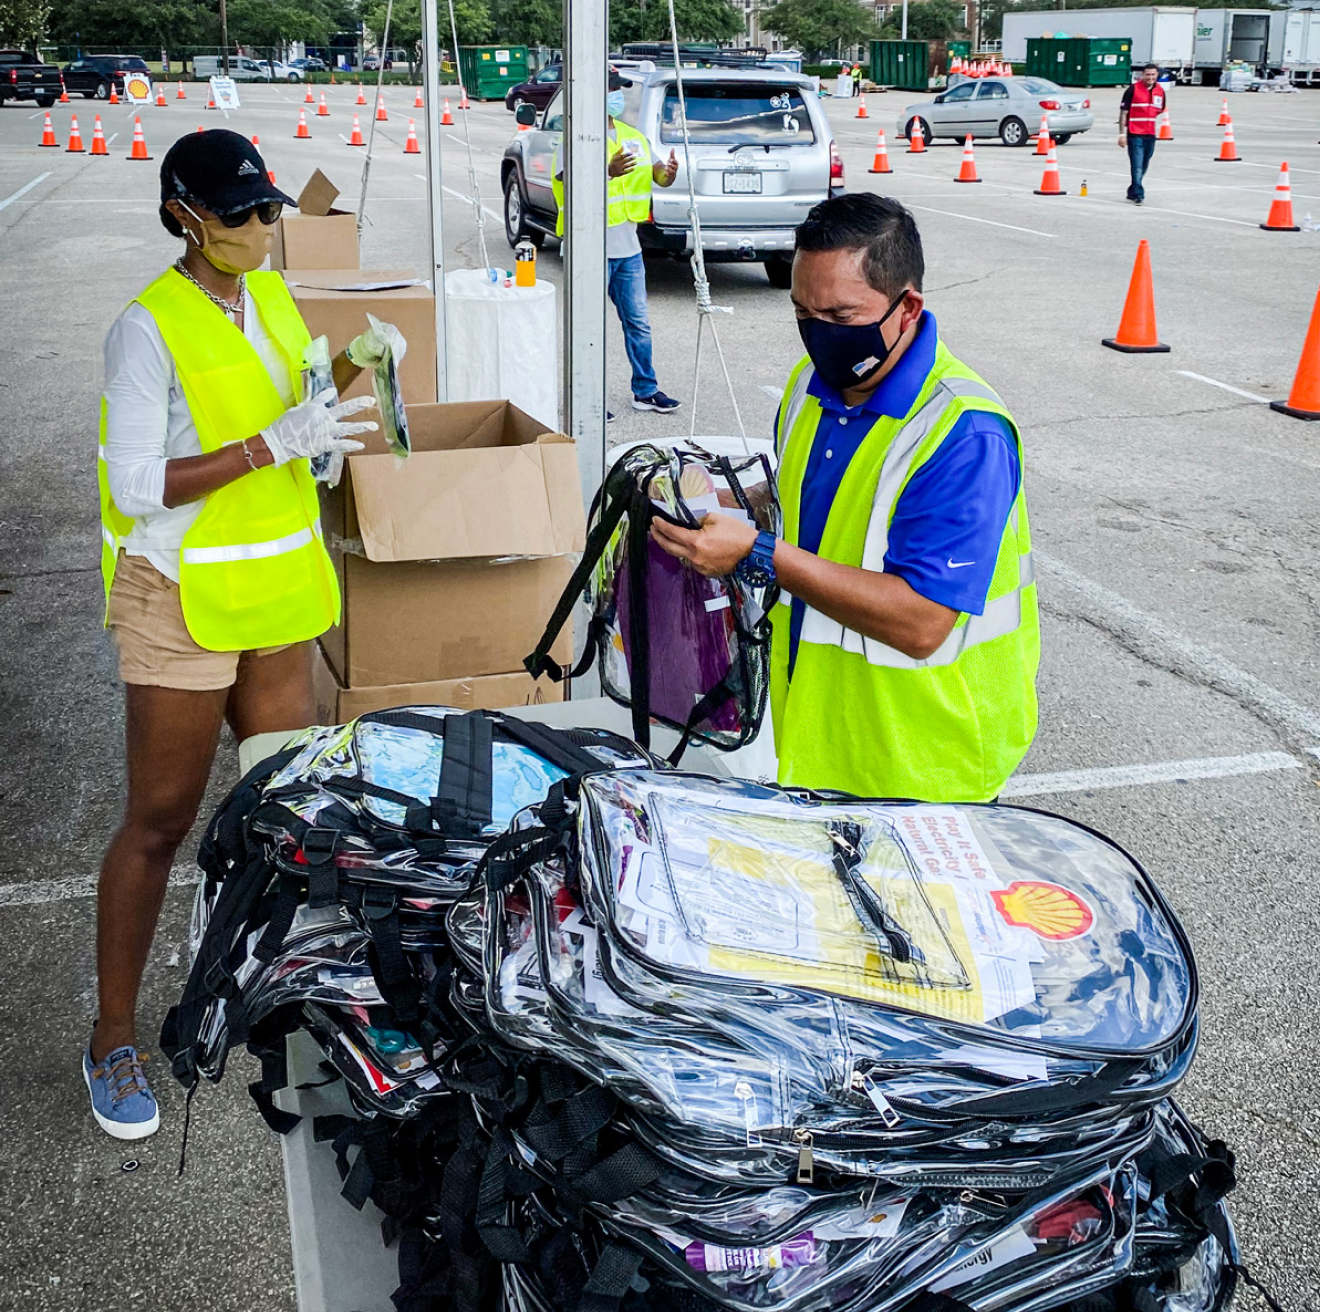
column 24, row 77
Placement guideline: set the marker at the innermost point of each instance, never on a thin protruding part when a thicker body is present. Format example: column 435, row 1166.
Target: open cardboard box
column 451, row 560
column 333, row 302
column 491, row 692
column 318, row 236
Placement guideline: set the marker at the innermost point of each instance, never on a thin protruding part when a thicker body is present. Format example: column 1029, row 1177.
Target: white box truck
column 1231, row 36
column 1295, row 45
column 1160, row 33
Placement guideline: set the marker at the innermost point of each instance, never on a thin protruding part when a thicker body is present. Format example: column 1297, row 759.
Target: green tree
column 930, row 20
column 471, row 17
column 529, row 22
column 23, row 22
column 819, row 27
column 131, row 25
column 697, row 20
column 271, row 23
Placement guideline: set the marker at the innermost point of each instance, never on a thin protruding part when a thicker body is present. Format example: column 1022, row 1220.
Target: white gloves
column 368, row 349
column 315, row 428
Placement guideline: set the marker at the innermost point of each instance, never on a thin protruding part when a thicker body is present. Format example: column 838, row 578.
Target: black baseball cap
column 220, row 169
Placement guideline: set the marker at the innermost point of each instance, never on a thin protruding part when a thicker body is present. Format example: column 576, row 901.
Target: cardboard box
column 318, row 236
column 452, row 560
column 331, row 301
column 335, row 703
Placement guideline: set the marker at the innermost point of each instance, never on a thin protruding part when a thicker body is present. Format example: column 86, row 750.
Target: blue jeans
column 1140, row 149
column 627, row 289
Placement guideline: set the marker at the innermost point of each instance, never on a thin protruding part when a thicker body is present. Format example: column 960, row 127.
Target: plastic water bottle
column 524, row 264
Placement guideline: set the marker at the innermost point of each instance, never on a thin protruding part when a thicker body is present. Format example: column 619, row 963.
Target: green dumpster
column 904, row 64
column 1081, row 61
column 487, row 72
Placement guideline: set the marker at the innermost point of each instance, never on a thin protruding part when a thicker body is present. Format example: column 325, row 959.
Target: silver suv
column 762, row 149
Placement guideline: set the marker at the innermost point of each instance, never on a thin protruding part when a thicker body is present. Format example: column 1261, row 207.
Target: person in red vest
column 1138, row 117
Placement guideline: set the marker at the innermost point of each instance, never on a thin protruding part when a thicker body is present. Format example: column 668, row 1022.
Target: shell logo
column 136, row 87
column 1048, row 910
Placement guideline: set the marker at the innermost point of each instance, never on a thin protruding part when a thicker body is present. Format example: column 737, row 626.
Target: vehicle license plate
column 742, row 182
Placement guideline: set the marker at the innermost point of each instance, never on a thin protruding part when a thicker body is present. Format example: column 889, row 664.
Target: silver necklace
column 211, row 296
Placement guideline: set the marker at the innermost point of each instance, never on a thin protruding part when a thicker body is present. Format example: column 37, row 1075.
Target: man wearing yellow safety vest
column 215, row 576
column 905, row 646
column 633, row 167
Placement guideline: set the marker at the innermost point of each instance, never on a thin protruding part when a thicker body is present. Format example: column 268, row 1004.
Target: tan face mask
column 234, row 250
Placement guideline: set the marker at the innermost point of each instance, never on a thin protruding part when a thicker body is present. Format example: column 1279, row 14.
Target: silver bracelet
column 252, row 464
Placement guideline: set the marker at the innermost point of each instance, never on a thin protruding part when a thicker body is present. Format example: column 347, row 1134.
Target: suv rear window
column 133, row 65
column 736, row 114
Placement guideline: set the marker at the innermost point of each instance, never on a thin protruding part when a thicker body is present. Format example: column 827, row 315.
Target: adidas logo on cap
column 246, row 167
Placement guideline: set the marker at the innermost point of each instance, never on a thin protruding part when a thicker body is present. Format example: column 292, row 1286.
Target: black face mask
column 846, row 355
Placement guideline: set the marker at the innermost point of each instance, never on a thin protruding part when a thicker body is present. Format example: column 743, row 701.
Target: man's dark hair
column 1144, row 67
column 878, row 225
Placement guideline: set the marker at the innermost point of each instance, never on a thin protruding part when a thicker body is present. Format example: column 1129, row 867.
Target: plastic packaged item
column 318, row 376
column 389, row 398
column 671, row 644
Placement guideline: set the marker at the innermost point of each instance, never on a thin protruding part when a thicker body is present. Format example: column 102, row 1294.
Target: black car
column 311, row 64
column 537, row 90
column 95, row 75
column 24, row 77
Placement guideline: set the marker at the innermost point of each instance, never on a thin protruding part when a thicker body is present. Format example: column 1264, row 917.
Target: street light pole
column 905, row 5
column 224, row 38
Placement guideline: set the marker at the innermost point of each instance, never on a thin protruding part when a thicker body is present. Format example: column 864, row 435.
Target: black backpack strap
column 639, row 622
column 611, row 1278
column 550, row 744
column 466, row 772
column 274, row 1076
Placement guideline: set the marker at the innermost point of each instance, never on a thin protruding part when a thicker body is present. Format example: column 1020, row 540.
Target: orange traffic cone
column 64, row 93
column 323, row 110
column 1304, row 400
column 361, row 96
column 1043, row 136
column 75, row 137
column 48, row 134
column 355, row 137
column 1049, row 184
column 1223, row 113
column 309, row 99
column 210, row 102
column 916, row 139
column 302, row 134
column 446, row 118
column 256, row 141
column 861, row 107
column 968, row 171
column 139, row 149
column 160, row 96
column 1166, row 128
column 463, row 100
column 178, row 93
column 1228, row 151
column 1136, row 331
column 410, row 147
column 418, row 102
column 114, row 95
column 98, row 139
column 1281, row 215
column 381, row 115
column 881, row 162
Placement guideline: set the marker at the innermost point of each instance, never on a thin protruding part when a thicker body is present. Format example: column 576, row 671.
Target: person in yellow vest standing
column 215, row 575
column 633, row 167
column 904, row 651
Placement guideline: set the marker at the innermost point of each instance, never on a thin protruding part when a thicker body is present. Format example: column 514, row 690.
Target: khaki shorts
column 155, row 647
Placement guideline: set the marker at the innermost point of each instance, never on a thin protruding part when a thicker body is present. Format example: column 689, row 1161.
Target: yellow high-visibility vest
column 864, row 717
column 252, row 569
column 628, row 197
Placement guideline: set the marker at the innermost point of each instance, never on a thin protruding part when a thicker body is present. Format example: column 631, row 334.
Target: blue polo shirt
column 947, row 527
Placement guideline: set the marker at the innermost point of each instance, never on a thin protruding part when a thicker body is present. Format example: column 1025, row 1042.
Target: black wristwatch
column 757, row 568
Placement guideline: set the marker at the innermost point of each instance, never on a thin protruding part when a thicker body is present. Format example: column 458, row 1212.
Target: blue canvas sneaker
column 657, row 401
column 122, row 1101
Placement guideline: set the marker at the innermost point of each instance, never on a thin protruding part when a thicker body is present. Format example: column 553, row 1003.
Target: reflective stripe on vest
column 628, row 198
column 1142, row 113
column 251, row 550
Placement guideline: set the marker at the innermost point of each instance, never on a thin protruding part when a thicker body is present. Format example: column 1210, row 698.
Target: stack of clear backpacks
column 626, row 1038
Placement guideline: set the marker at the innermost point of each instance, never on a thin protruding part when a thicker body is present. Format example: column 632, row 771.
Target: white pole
column 434, row 194
column 905, row 5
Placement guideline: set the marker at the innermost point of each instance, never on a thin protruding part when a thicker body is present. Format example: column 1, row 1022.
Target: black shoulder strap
column 550, row 744
column 466, row 771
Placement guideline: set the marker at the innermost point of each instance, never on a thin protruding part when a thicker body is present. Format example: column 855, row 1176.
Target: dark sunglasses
column 268, row 211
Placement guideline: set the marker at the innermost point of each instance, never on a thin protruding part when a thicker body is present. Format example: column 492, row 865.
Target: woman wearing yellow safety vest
column 904, row 653
column 216, row 579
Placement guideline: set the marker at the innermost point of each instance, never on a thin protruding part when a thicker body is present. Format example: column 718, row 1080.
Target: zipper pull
column 806, row 1167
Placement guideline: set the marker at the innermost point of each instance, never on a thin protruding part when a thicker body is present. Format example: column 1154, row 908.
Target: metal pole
column 434, row 194
column 582, row 151
column 224, row 38
column 904, row 33
column 584, row 162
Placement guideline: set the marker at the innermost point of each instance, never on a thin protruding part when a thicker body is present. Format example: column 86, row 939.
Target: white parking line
column 23, row 191
column 1228, row 387
column 77, row 886
column 1157, row 772
column 930, row 209
column 460, row 195
column 1187, row 214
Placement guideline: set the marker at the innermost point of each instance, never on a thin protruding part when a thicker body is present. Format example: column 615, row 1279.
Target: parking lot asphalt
column 1176, row 521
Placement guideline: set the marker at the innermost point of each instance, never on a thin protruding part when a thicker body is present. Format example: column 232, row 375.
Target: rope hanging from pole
column 371, row 131
column 706, row 309
column 467, row 141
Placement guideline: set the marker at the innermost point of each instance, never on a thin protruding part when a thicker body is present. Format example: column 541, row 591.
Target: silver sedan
column 1009, row 108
